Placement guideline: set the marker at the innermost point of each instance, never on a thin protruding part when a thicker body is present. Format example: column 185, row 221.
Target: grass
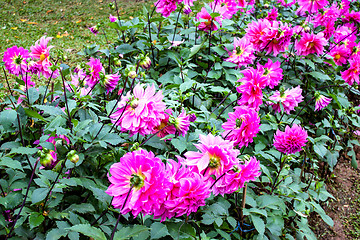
column 67, row 21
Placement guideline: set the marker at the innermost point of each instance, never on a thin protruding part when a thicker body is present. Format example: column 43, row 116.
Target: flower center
column 239, row 51
column 42, row 57
column 214, row 161
column 137, row 181
column 18, row 60
column 311, row 45
column 239, row 121
column 337, row 56
column 134, row 103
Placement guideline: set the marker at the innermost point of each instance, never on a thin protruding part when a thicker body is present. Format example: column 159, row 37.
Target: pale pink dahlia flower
column 141, row 111
column 251, row 88
column 352, row 74
column 321, row 101
column 272, row 71
column 243, row 52
column 236, row 178
column 289, row 99
column 216, row 156
column 78, row 83
column 291, row 140
column 311, row 43
column 15, row 60
column 242, row 126
column 189, row 189
column 138, row 183
column 41, row 52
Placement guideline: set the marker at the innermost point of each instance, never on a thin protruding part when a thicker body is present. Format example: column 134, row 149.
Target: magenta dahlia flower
column 94, row 29
column 165, row 128
column 141, row 111
column 340, row 54
column 289, row 99
column 311, row 6
column 182, row 123
column 276, row 37
column 138, row 183
column 242, row 126
column 112, row 18
column 321, row 101
column 41, row 53
column 242, row 54
column 255, row 32
column 237, row 177
column 110, row 82
column 311, row 43
column 189, row 189
column 166, row 7
column 273, row 14
column 216, row 156
column 272, row 71
column 251, row 88
column 352, row 74
column 291, row 140
column 206, row 21
column 95, row 68
column 15, row 59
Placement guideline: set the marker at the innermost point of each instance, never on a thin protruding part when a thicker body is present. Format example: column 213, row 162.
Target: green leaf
column 51, row 110
column 319, row 75
column 128, row 232
column 33, row 95
column 258, row 224
column 320, row 149
column 7, row 118
column 34, row 114
column 112, row 138
column 181, row 231
column 158, row 230
column 81, row 208
column 35, row 219
column 89, row 231
column 55, row 234
column 10, row 163
column 179, row 145
column 186, row 85
column 100, row 195
column 38, row 195
column 24, row 150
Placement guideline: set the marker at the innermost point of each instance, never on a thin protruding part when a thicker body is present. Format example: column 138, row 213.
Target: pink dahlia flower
column 340, row 54
column 352, row 17
column 78, row 83
column 15, row 59
column 165, row 128
column 182, row 123
column 226, row 8
column 343, row 33
column 237, row 177
column 287, row 3
column 112, row 18
column 352, row 74
column 311, row 43
column 311, row 6
column 289, row 99
column 242, row 54
column 188, row 192
column 321, row 102
column 166, row 7
column 250, row 88
column 242, row 126
column 94, row 29
column 41, row 52
column 95, row 68
column 272, row 15
column 255, row 31
column 328, row 15
column 141, row 111
column 207, row 23
column 291, row 140
column 272, row 71
column 110, row 82
column 216, row 156
column 138, row 183
column 276, row 37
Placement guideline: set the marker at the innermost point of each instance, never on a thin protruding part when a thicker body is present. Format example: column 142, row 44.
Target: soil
column 345, row 209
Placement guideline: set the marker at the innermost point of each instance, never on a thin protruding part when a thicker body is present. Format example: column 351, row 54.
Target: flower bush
column 200, row 121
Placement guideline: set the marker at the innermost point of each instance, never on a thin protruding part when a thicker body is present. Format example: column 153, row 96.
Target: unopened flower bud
column 145, row 62
column 134, row 147
column 117, row 62
column 46, row 160
column 132, row 74
column 187, row 9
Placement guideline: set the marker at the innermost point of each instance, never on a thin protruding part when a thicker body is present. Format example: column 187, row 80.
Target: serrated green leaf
column 10, row 163
column 35, row 219
column 89, row 231
column 258, row 224
column 38, row 195
column 158, row 230
column 24, row 150
column 55, row 234
column 128, row 232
